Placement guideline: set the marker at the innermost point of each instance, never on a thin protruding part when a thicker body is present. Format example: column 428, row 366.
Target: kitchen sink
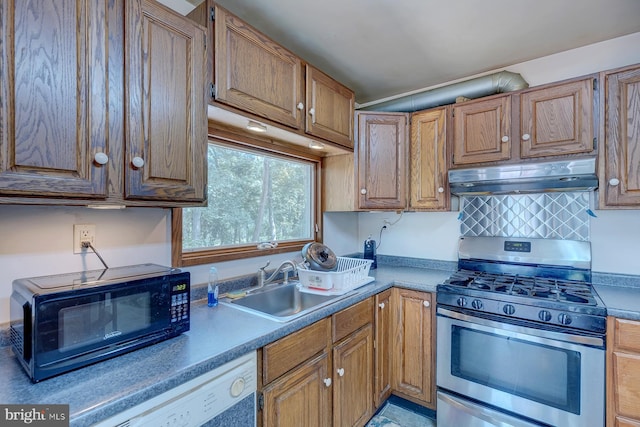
column 282, row 302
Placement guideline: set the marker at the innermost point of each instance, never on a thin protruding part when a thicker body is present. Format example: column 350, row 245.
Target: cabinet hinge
column 212, row 14
column 213, row 90
column 595, row 143
column 260, row 401
column 453, row 112
column 595, row 84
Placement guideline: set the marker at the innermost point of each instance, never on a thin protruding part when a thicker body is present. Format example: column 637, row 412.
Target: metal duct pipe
column 503, row 81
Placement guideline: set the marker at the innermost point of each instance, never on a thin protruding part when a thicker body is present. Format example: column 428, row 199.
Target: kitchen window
column 261, row 201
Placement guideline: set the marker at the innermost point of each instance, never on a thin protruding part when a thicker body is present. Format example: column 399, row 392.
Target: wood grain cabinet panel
column 620, row 155
column 53, row 111
column 290, row 351
column 255, row 74
column 381, row 160
column 70, row 130
column 166, row 106
column 414, row 358
column 428, row 183
column 383, row 349
column 623, row 372
column 353, row 374
column 300, row 398
column 482, row 131
column 557, row 120
column 330, row 107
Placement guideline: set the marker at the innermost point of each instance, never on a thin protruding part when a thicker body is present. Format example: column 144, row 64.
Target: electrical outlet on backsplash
column 563, row 215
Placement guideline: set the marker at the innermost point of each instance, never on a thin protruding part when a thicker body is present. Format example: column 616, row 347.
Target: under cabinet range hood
column 564, row 175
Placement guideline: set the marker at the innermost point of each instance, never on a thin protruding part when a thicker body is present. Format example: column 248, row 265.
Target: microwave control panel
column 179, row 301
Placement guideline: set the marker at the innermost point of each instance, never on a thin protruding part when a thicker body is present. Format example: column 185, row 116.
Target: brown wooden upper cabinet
column 256, row 75
column 428, row 180
column 166, row 145
column 620, row 153
column 481, row 131
column 550, row 120
column 330, row 108
column 65, row 114
column 381, row 160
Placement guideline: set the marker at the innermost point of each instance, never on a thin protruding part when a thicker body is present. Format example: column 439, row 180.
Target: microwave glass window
column 541, row 373
column 103, row 319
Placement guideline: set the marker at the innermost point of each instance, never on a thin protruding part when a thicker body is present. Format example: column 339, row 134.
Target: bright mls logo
column 34, row 415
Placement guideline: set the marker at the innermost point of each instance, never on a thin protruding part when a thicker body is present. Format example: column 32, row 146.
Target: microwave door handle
column 487, row 415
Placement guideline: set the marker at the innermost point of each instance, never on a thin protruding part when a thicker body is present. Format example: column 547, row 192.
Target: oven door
column 552, row 377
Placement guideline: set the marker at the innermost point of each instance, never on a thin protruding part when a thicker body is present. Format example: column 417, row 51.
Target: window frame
column 232, row 138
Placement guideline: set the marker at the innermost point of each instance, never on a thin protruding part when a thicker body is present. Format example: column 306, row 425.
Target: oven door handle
column 557, row 336
column 487, row 415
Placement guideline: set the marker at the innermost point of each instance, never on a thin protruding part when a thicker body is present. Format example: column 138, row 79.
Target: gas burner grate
column 560, row 290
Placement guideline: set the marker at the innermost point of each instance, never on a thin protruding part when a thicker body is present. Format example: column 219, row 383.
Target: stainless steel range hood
column 565, row 175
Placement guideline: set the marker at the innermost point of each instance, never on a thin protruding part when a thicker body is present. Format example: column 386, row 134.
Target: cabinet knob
column 312, row 111
column 440, row 190
column 426, row 303
column 363, row 191
column 614, row 181
column 505, row 138
column 101, row 158
column 381, row 305
column 300, row 106
column 526, row 137
column 340, row 371
column 137, row 162
column 327, row 381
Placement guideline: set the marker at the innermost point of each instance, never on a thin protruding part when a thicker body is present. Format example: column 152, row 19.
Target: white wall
column 37, row 240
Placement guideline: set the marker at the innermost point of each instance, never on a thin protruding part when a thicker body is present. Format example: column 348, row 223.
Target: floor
column 393, row 415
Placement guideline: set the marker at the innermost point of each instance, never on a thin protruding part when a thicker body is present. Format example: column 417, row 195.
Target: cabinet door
column 255, row 74
column 481, row 131
column 329, row 108
column 300, row 398
column 53, row 108
column 557, row 120
column 381, row 160
column 353, row 374
column 621, row 151
column 166, row 117
column 427, row 154
column 382, row 348
column 413, row 375
column 626, row 381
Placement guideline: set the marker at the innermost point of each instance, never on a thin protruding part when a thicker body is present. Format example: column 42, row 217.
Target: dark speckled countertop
column 218, row 335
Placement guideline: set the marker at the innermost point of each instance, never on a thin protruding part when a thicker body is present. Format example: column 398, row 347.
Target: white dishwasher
column 225, row 396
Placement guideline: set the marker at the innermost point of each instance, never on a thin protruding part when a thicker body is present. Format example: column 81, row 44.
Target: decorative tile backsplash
column 541, row 215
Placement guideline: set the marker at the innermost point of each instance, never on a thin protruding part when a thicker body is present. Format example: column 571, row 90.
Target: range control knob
column 462, row 301
column 564, row 318
column 544, row 315
column 477, row 304
column 509, row 309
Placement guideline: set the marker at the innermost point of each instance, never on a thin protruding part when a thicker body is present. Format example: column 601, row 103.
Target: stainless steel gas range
column 521, row 336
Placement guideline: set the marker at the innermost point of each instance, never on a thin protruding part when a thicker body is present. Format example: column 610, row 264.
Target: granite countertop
column 621, row 301
column 218, row 335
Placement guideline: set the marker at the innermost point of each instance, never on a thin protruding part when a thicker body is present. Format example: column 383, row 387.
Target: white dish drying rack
column 349, row 274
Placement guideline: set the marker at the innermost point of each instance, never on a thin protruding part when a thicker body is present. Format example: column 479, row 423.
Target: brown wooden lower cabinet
column 299, row 398
column 623, row 373
column 323, row 374
column 383, row 347
column 413, row 324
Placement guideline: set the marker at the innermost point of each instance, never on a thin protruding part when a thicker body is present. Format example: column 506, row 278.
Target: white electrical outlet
column 83, row 233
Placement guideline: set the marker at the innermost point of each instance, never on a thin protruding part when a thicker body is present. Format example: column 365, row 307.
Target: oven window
column 100, row 320
column 544, row 374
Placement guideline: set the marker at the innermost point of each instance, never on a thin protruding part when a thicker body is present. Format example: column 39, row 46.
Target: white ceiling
column 381, row 48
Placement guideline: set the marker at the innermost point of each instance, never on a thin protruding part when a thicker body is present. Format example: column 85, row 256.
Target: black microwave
column 68, row 321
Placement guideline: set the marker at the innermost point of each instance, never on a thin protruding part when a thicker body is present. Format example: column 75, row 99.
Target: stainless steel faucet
column 285, row 268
